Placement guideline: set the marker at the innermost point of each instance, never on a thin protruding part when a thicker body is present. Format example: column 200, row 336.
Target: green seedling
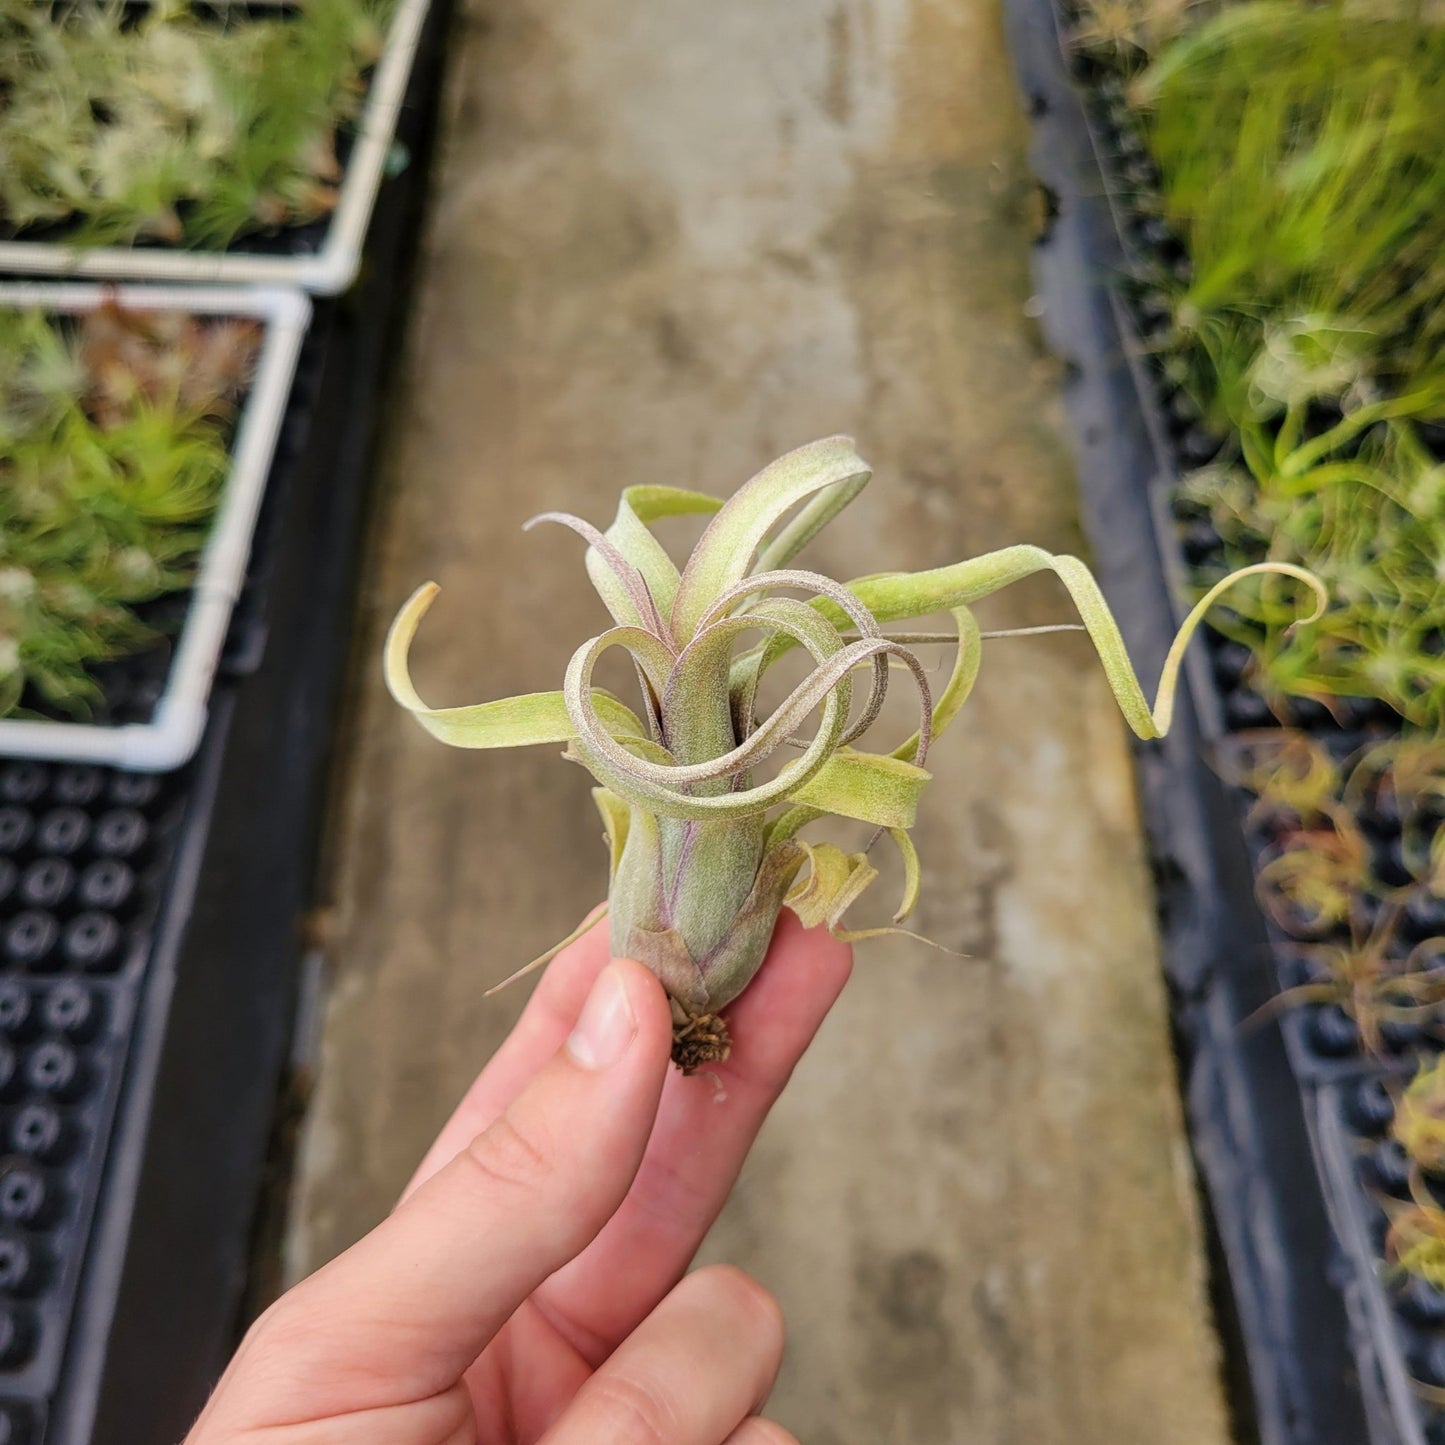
column 704, row 850
column 113, row 454
column 1302, row 150
column 1368, row 516
column 173, row 127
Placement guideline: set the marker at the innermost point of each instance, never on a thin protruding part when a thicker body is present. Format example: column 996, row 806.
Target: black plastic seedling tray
column 89, row 863
column 1299, row 1301
column 153, row 932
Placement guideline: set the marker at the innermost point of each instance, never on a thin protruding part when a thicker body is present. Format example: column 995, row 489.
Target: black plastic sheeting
column 1280, row 1115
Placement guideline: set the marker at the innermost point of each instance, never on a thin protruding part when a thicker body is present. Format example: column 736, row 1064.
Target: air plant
column 705, row 853
column 1415, row 1240
column 113, row 453
column 176, row 127
column 1372, row 982
column 1419, row 1122
column 1125, row 33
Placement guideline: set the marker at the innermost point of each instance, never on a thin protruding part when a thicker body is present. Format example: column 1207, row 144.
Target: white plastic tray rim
column 174, row 732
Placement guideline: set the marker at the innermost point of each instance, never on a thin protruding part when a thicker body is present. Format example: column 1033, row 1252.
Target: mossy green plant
column 1301, row 160
column 113, row 454
column 173, row 125
column 704, row 851
column 1302, row 156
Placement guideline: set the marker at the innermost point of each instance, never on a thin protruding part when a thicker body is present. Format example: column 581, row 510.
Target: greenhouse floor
column 669, row 242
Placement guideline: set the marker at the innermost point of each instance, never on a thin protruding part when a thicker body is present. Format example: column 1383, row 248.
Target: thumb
column 402, row 1314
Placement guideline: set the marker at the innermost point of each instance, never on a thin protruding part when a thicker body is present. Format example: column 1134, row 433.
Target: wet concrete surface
column 670, row 241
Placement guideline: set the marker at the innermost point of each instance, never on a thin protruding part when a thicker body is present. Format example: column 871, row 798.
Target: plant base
column 698, row 1039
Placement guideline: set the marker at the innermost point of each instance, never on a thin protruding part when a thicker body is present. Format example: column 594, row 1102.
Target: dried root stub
column 705, row 849
column 698, row 1039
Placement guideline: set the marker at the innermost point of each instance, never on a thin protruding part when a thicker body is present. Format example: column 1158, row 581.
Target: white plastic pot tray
column 175, row 728
column 327, row 271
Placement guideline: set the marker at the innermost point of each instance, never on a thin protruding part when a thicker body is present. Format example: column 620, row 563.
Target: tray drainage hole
column 54, row 1068
column 20, row 1270
column 47, row 883
column 72, row 1010
column 17, row 1340
column 80, row 784
column 16, row 826
column 39, row 1131
column 1333, row 1032
column 63, row 831
column 1421, row 1302
column 134, row 790
column 24, row 1199
column 14, row 1006
column 91, row 940
column 1372, row 1108
column 30, row 937
column 121, row 833
column 23, row 782
column 108, row 883
column 1391, row 1168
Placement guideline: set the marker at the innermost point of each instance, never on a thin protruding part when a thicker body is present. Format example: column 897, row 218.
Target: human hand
column 526, row 1287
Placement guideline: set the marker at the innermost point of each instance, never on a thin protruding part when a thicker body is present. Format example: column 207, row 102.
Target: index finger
column 545, row 1022
column 401, row 1315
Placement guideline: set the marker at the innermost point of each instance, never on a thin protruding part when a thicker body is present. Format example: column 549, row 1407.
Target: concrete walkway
column 673, row 239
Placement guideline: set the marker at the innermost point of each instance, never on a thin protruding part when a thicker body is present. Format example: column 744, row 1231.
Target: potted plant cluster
column 136, row 438
column 185, row 141
column 1276, row 174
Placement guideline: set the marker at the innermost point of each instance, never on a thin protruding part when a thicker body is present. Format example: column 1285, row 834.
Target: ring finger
column 690, row 1374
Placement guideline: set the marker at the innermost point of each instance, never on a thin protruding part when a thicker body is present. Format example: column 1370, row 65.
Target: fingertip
column 648, row 999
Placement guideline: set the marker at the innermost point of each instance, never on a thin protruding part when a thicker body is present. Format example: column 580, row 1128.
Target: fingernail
column 607, row 1024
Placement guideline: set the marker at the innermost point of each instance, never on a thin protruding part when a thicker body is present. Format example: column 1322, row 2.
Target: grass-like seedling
column 1302, row 154
column 113, row 453
column 167, row 126
column 1301, row 157
column 1349, row 492
column 705, row 851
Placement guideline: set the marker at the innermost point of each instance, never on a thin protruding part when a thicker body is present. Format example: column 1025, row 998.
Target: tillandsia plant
column 1125, row 33
column 1415, row 1241
column 1419, row 1122
column 113, row 453
column 170, row 124
column 704, row 854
